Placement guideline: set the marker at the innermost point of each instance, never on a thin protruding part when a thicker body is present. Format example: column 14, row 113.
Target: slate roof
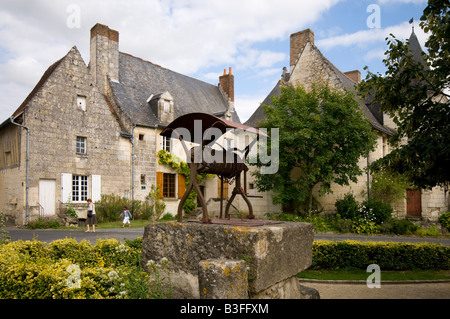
column 139, row 79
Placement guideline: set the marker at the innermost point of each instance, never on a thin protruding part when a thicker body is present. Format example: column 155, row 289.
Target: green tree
column 322, row 135
column 414, row 91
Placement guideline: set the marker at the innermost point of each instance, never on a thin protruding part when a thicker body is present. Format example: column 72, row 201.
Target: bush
column 403, row 227
column 40, row 223
column 388, row 255
column 444, row 219
column 347, row 208
column 67, row 269
column 375, row 210
column 109, row 208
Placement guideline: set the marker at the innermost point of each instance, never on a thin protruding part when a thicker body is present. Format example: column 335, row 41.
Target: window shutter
column 160, row 183
column 96, row 188
column 181, row 185
column 66, row 188
column 225, row 189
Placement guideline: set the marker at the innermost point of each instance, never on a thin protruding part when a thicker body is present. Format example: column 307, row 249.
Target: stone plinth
column 222, row 279
column 272, row 253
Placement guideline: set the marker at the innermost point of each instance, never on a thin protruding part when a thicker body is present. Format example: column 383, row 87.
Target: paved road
column 49, row 235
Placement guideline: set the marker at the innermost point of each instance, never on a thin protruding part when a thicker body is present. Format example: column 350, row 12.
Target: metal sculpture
column 192, row 128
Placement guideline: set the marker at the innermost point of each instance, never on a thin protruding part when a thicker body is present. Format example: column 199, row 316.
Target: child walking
column 126, row 217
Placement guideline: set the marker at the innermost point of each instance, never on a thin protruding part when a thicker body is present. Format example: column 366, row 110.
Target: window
column 141, row 137
column 81, row 102
column 79, row 188
column 165, row 143
column 81, row 145
column 142, row 179
column 169, row 185
column 166, row 106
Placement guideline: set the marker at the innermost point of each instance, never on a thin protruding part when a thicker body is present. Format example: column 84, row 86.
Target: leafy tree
column 322, row 136
column 414, row 91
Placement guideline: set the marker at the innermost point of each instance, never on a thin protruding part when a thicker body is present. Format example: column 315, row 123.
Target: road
column 49, row 235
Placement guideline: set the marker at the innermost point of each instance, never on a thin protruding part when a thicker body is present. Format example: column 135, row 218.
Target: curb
column 385, row 282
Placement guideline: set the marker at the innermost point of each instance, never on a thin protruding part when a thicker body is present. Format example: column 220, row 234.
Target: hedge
column 71, row 270
column 388, row 255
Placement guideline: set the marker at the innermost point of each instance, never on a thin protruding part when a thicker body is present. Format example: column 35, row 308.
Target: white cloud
column 247, row 105
column 366, row 38
column 402, row 1
column 186, row 36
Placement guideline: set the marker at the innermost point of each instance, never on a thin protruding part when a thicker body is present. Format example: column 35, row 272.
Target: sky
column 200, row 38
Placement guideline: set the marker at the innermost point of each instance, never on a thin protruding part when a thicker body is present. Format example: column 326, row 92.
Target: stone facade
column 94, row 129
column 307, row 67
column 56, row 122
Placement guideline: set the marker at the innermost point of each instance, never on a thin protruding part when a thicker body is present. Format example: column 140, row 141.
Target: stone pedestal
column 272, row 254
column 222, row 279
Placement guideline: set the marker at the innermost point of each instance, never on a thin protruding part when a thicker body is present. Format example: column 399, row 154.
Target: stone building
column 308, row 66
column 94, row 129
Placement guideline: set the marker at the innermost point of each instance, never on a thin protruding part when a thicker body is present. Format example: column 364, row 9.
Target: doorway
column 414, row 203
column 47, row 197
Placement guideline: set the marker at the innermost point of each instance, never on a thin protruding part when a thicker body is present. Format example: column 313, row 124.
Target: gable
column 312, row 67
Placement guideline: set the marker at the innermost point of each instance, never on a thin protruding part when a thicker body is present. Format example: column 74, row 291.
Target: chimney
column 298, row 41
column 226, row 82
column 355, row 76
column 104, row 58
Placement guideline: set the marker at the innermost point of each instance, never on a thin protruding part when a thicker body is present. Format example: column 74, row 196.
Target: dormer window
column 162, row 106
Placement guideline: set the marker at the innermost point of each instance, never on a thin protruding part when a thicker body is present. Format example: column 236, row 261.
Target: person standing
column 126, row 217
column 91, row 216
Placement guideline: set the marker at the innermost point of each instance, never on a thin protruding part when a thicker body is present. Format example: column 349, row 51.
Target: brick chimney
column 355, row 76
column 298, row 41
column 226, row 82
column 104, row 58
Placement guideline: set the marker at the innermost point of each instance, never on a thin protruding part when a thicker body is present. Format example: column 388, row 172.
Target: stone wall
column 55, row 120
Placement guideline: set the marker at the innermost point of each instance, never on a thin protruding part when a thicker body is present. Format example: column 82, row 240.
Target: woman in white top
column 91, row 217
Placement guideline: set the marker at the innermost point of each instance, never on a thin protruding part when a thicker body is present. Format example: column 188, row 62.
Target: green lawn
column 359, row 274
column 134, row 224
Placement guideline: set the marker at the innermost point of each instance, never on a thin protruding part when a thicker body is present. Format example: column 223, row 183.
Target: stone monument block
column 273, row 252
column 222, row 279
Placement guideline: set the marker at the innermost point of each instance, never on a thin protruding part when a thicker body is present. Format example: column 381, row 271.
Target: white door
column 47, row 196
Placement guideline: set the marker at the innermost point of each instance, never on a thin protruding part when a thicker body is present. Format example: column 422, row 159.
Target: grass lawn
column 117, row 224
column 359, row 274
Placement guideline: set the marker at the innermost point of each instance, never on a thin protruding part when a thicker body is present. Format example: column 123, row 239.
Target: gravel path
column 387, row 291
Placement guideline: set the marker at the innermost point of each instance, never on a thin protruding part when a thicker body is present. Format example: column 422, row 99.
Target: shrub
column 40, row 223
column 444, row 219
column 375, row 210
column 109, row 208
column 347, row 208
column 403, row 227
column 67, row 269
column 388, row 255
column 387, row 187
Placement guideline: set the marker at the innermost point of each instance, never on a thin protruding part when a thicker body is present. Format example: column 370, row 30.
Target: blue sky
column 199, row 38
